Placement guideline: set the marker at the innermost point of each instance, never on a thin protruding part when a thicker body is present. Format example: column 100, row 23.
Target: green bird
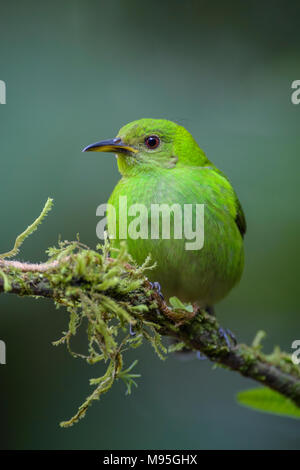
column 161, row 163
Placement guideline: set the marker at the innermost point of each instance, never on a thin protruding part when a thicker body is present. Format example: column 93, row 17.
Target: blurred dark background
column 75, row 72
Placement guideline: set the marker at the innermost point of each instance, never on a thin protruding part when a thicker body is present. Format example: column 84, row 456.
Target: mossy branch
column 113, row 298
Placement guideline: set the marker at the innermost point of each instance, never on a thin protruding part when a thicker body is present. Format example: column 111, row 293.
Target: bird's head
column 152, row 143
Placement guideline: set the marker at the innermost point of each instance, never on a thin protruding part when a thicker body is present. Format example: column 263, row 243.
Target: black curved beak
column 112, row 145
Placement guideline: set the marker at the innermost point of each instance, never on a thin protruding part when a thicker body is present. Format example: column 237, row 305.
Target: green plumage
column 177, row 171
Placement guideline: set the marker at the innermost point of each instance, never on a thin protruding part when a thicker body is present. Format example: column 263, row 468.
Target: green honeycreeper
column 161, row 163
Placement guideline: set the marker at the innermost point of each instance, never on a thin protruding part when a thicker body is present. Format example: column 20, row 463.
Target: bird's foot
column 156, row 286
column 232, row 336
column 200, row 356
column 228, row 336
column 131, row 331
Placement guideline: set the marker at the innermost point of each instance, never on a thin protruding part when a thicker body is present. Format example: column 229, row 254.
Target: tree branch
column 67, row 281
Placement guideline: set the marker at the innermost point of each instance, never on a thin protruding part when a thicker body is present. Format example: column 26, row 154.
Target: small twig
column 30, row 229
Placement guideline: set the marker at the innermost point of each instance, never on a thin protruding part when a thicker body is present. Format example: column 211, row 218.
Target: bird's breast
column 201, row 262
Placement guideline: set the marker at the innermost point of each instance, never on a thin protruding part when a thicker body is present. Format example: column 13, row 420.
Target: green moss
column 90, row 284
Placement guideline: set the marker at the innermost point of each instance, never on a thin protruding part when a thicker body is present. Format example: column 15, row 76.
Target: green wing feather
column 240, row 218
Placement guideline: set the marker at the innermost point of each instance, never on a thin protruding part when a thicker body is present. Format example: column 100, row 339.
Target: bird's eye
column 152, row 141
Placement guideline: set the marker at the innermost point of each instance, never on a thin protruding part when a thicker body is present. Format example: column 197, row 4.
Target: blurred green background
column 76, row 71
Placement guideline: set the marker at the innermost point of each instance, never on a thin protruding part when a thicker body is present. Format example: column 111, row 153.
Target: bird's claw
column 200, row 356
column 156, row 286
column 227, row 335
column 131, row 332
column 232, row 336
